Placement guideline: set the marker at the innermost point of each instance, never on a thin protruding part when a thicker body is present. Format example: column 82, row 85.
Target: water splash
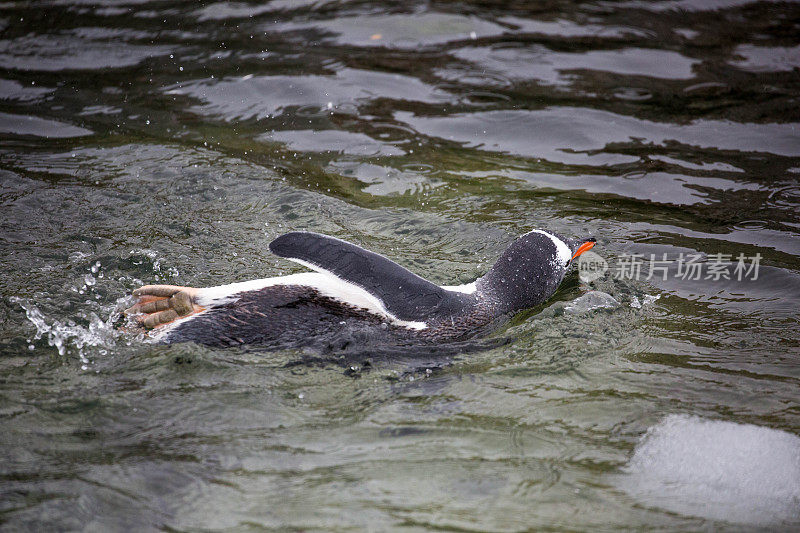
column 646, row 300
column 67, row 336
column 590, row 301
column 87, row 332
column 142, row 255
column 70, row 337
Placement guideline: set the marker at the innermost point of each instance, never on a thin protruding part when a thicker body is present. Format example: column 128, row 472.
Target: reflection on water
column 243, row 97
column 171, row 142
column 547, row 66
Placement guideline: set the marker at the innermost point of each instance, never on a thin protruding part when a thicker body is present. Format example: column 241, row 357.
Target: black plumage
column 415, row 311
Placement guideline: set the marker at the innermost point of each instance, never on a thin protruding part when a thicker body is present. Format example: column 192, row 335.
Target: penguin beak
column 584, row 247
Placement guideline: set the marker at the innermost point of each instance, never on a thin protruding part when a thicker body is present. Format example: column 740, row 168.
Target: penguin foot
column 159, row 305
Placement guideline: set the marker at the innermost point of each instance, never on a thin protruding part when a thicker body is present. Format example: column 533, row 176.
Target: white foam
column 647, row 300
column 590, row 301
column 717, row 470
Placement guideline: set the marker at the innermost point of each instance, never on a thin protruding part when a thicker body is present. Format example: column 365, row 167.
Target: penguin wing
column 403, row 293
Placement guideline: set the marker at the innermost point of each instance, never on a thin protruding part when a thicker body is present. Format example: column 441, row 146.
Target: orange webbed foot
column 159, row 305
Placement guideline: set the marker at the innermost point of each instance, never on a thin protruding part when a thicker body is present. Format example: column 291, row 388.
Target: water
column 147, row 142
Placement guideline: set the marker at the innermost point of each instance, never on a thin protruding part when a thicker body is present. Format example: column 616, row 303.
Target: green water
column 170, row 142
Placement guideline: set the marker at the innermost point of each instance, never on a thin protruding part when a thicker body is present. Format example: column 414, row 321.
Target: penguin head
column 531, row 269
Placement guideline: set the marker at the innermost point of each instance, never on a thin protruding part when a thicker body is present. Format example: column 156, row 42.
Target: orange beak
column 584, row 247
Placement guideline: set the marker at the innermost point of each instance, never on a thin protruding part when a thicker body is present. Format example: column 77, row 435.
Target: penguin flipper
column 403, row 293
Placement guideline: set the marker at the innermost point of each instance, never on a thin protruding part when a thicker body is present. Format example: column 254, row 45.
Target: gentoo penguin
column 355, row 290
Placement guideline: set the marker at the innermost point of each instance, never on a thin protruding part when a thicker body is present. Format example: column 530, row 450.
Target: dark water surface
column 153, row 141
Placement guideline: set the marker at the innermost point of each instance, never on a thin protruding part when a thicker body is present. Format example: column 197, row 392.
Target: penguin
column 358, row 291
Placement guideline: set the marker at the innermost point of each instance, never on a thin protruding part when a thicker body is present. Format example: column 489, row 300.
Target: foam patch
column 717, row 470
